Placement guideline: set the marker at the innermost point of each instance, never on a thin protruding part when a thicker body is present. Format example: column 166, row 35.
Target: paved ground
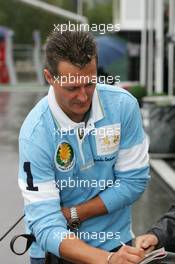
column 13, row 108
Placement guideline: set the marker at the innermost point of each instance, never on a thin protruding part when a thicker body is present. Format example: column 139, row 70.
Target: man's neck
column 76, row 118
column 80, row 118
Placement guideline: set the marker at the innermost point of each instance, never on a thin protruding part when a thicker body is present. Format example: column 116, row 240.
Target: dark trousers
column 51, row 259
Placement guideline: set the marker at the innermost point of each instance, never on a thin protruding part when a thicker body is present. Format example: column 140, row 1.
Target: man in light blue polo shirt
column 83, row 160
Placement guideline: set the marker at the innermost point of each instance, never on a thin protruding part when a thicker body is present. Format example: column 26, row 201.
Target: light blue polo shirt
column 64, row 164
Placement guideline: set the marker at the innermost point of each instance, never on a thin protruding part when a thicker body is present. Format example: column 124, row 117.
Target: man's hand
column 127, row 255
column 146, row 242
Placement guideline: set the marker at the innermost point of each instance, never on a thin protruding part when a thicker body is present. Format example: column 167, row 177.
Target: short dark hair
column 78, row 47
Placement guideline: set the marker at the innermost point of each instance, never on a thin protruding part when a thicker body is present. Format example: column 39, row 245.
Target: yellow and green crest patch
column 64, row 156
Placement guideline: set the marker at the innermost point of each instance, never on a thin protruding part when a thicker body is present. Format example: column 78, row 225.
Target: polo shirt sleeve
column 132, row 167
column 41, row 196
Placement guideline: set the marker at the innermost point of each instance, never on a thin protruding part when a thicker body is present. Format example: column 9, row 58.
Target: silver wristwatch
column 74, row 221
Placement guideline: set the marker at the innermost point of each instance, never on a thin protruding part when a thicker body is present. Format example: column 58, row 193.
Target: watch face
column 74, row 224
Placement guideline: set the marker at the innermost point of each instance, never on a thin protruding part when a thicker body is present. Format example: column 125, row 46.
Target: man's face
column 74, row 89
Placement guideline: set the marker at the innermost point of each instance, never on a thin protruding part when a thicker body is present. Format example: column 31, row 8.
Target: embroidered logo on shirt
column 64, row 157
column 81, row 132
column 107, row 139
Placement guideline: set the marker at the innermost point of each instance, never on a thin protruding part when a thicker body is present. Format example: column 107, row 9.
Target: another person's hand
column 127, row 255
column 146, row 242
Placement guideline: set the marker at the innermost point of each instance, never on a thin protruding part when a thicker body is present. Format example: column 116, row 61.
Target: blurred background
column 140, row 52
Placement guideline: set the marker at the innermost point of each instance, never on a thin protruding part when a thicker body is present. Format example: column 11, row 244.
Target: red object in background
column 4, row 76
column 2, row 50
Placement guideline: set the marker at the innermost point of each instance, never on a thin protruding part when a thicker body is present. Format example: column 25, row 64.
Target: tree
column 24, row 19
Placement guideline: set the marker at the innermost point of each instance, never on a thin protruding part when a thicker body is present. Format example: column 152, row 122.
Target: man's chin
column 80, row 113
column 82, row 109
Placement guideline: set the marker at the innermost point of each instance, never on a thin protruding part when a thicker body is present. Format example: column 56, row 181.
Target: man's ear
column 48, row 76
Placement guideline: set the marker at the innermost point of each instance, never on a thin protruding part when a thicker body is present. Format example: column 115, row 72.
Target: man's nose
column 82, row 95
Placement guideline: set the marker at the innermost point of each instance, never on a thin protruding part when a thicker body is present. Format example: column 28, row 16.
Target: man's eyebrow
column 72, row 86
column 76, row 86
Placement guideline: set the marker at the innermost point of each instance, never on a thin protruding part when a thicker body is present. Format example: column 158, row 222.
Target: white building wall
column 130, row 15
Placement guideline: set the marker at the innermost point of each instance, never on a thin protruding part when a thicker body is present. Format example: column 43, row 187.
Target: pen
column 123, row 244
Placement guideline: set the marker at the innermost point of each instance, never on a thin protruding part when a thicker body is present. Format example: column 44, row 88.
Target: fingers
column 133, row 255
column 146, row 242
column 135, row 251
column 148, row 250
column 127, row 255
